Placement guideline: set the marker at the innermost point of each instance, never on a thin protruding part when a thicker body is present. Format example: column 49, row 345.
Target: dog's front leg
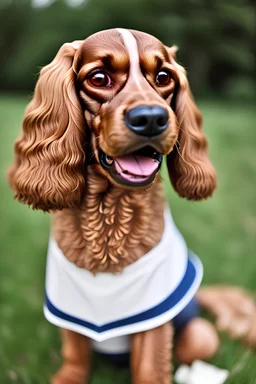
column 151, row 356
column 76, row 359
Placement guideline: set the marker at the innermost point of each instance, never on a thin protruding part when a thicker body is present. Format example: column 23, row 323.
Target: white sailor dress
column 108, row 307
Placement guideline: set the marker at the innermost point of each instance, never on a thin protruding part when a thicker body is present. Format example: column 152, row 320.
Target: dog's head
column 117, row 99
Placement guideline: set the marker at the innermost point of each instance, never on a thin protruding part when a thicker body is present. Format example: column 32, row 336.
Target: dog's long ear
column 190, row 170
column 48, row 172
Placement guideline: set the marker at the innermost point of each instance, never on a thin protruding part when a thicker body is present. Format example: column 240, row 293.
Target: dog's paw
column 198, row 340
column 234, row 310
column 70, row 374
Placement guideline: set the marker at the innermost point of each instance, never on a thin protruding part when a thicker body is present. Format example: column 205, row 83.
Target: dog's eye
column 163, row 78
column 99, row 79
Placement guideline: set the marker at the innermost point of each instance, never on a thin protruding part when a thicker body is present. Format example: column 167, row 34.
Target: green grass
column 222, row 231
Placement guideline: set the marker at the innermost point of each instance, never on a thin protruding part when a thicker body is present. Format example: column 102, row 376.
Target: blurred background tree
column 216, row 39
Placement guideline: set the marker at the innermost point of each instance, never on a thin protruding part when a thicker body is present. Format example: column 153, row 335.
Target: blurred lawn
column 222, row 231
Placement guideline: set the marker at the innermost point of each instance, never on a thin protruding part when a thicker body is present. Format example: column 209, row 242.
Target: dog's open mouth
column 137, row 168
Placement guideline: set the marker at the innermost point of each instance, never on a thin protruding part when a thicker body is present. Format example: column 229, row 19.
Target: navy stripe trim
column 167, row 304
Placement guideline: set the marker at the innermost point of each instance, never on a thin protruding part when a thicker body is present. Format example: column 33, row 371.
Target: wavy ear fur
column 190, row 170
column 48, row 172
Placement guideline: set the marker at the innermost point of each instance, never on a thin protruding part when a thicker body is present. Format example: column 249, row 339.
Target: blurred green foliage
column 216, row 38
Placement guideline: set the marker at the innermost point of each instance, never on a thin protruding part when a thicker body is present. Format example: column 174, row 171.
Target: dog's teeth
column 155, row 156
column 109, row 159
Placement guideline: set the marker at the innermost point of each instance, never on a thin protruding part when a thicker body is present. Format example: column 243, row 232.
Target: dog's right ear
column 190, row 169
column 48, row 172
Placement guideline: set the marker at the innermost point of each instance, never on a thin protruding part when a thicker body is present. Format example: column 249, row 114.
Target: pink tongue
column 136, row 165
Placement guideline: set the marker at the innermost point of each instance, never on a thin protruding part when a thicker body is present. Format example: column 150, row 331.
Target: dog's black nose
column 147, row 121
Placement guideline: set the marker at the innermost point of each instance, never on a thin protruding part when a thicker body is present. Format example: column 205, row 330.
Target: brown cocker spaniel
column 104, row 113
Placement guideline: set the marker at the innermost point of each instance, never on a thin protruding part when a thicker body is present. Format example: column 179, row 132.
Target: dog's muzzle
column 139, row 168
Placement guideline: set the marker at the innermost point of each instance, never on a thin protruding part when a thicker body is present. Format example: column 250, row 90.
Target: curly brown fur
column 112, row 228
column 50, row 172
column 100, row 223
column 151, row 355
column 49, row 167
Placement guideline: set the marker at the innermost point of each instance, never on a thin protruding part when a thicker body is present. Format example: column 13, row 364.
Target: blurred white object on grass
column 200, row 373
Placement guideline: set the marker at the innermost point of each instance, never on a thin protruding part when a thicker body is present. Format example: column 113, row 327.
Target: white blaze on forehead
column 133, row 52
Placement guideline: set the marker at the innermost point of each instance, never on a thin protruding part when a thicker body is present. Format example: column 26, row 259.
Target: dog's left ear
column 190, row 169
column 48, row 172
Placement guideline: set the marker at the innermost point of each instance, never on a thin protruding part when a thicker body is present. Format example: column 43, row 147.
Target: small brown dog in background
column 102, row 109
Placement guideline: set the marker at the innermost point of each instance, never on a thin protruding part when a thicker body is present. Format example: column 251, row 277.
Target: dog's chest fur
column 112, row 228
